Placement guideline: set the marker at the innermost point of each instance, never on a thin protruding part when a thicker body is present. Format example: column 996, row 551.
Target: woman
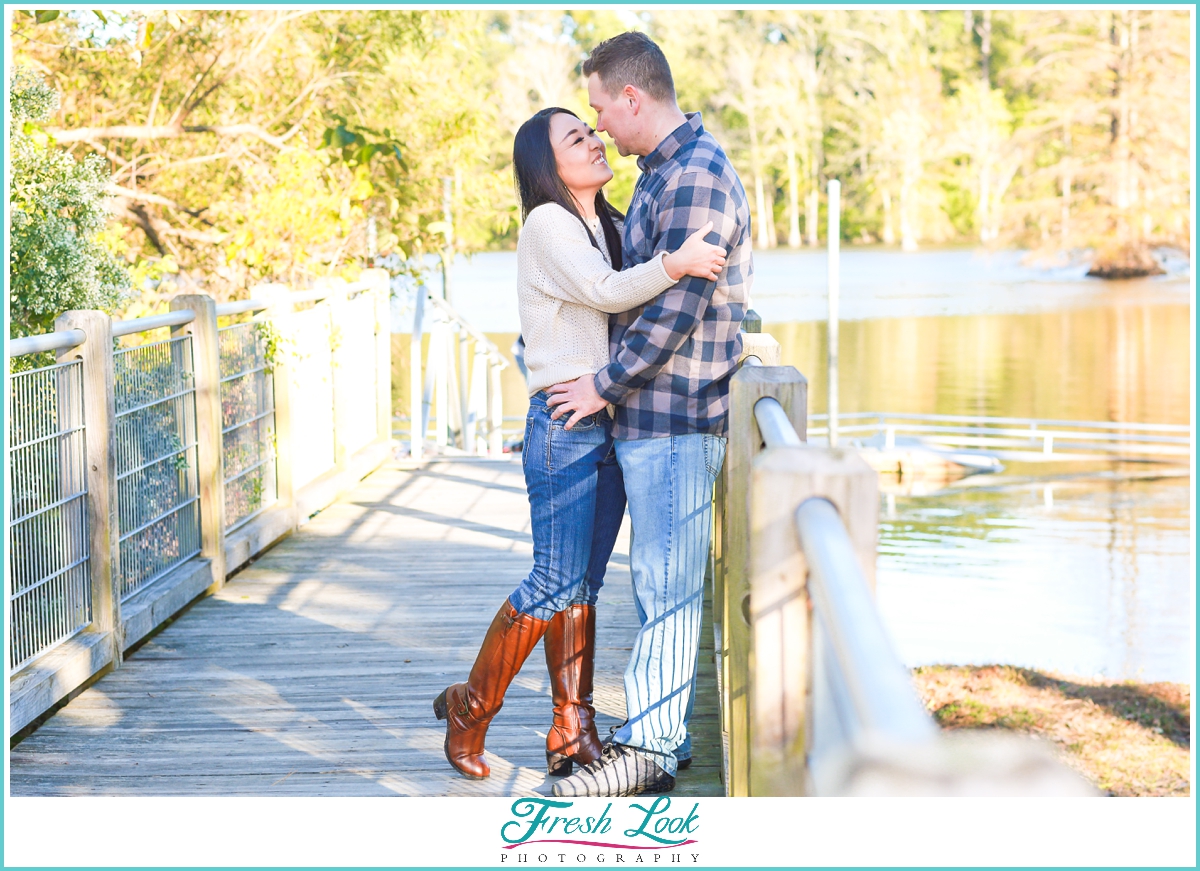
column 569, row 277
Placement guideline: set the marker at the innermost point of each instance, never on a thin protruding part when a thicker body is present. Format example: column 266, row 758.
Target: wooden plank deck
column 312, row 672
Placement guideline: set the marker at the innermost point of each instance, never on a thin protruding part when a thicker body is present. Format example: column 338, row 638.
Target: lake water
column 1081, row 571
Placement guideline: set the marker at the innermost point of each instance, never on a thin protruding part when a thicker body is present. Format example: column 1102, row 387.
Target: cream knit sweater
column 565, row 290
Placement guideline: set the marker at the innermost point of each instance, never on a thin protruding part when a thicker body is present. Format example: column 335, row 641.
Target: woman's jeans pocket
column 576, row 501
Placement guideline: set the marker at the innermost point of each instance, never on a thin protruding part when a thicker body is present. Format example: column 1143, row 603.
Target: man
column 669, row 382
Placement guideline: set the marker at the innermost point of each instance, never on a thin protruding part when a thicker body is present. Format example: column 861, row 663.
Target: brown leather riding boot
column 570, row 657
column 468, row 707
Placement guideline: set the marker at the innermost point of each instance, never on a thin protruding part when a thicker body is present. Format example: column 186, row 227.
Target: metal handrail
column 1015, row 437
column 241, row 306
column 475, row 334
column 881, row 416
column 59, row 341
column 969, row 434
column 880, row 691
column 64, row 339
column 154, row 322
column 875, row 681
column 320, row 293
column 777, row 430
column 310, row 296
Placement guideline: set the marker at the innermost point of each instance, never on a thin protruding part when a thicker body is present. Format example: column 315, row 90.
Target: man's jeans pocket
column 714, row 454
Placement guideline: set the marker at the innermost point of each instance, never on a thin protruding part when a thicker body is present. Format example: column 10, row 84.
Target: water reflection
column 1087, row 575
column 1122, row 362
column 1080, row 575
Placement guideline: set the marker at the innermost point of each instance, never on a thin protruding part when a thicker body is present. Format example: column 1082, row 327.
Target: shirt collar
column 676, row 139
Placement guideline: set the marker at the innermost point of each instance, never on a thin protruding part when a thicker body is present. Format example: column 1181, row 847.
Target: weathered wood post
column 495, row 410
column 764, row 349
column 100, row 421
column 340, row 373
column 833, row 279
column 781, row 710
column 748, row 385
column 454, row 409
column 439, row 354
column 279, row 316
column 381, row 287
column 206, row 370
column 416, row 404
column 477, row 428
column 462, row 338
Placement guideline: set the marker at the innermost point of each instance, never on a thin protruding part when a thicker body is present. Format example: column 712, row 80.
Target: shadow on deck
column 312, row 672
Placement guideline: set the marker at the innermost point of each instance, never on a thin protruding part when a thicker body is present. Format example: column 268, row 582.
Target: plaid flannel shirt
column 672, row 357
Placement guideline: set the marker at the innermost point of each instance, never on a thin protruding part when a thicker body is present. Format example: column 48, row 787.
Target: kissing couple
column 631, row 331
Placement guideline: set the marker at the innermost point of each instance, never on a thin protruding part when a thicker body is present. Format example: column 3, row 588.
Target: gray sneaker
column 682, row 763
column 619, row 771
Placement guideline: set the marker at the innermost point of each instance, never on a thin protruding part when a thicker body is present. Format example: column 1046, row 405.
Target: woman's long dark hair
column 538, row 180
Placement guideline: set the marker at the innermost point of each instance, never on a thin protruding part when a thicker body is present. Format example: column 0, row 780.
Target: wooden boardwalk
column 312, row 672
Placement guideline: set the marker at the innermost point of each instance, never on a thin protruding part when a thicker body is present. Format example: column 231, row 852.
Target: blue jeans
column 669, row 484
column 576, row 502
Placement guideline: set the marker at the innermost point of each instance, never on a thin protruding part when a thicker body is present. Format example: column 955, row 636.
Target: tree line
column 237, row 146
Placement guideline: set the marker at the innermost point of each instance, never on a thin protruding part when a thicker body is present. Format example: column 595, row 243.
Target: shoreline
column 1127, row 738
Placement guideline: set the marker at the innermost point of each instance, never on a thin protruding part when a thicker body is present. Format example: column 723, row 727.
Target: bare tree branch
column 143, row 131
column 142, row 218
column 125, row 193
column 156, row 229
column 107, row 152
column 311, row 89
column 160, row 163
column 190, row 103
column 185, row 105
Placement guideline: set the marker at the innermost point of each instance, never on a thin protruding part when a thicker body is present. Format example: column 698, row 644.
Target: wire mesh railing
column 464, row 401
column 1012, row 437
column 142, row 472
column 247, row 423
column 158, row 488
column 47, row 534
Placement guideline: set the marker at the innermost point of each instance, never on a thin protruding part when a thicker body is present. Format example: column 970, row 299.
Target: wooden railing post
column 381, row 287
column 416, row 384
column 454, row 409
column 781, row 632
column 767, row 351
column 763, row 346
column 495, row 411
column 279, row 316
column 748, row 385
column 99, row 419
column 477, row 421
column 462, row 338
column 206, row 369
column 439, row 354
column 340, row 374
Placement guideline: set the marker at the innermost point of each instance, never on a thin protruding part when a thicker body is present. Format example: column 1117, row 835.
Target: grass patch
column 1126, row 738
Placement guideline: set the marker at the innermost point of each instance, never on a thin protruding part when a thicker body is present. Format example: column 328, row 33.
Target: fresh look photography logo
column 543, row 831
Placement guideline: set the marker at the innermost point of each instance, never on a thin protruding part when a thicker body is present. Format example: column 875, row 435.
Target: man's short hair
column 632, row 58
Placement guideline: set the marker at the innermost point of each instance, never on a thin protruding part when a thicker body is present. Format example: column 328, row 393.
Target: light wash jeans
column 669, row 485
column 576, row 503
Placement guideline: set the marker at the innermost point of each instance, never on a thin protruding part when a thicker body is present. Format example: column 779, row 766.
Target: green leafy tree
column 58, row 208
column 251, row 145
column 247, row 145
